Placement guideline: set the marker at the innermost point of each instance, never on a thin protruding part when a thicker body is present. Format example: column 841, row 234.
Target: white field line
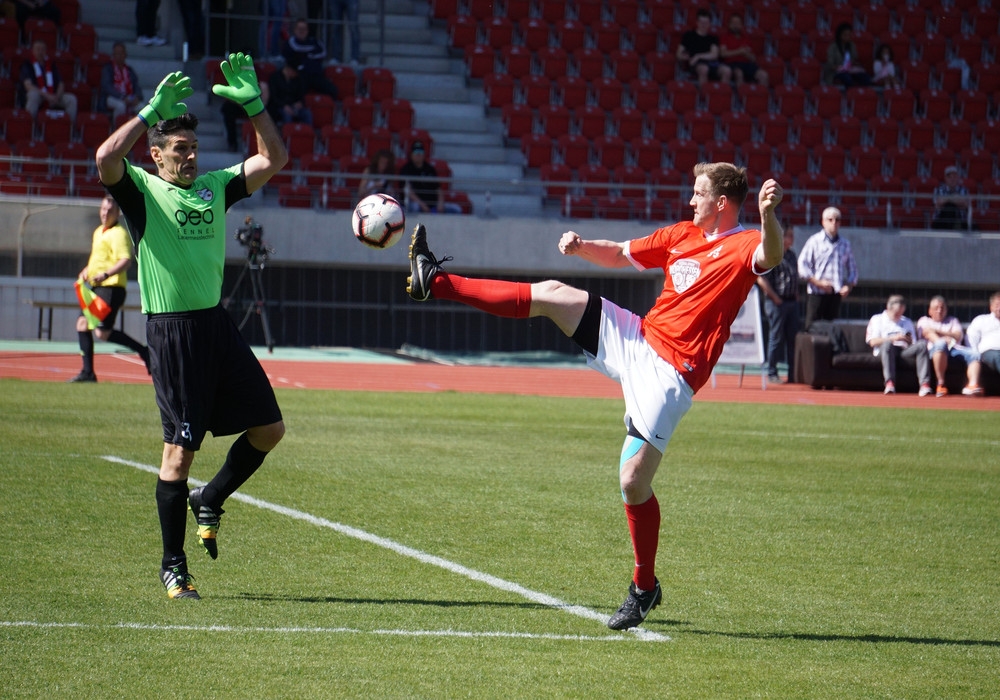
column 316, row 630
column 423, row 557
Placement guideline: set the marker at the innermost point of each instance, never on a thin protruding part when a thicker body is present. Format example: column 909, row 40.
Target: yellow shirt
column 109, row 246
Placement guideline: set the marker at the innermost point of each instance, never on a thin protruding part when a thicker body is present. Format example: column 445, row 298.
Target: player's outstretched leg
column 177, row 581
column 423, row 266
column 635, row 608
column 208, row 521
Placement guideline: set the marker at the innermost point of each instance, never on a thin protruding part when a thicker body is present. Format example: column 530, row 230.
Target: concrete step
column 458, row 117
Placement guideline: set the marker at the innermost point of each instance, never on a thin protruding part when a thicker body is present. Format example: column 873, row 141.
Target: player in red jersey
column 660, row 360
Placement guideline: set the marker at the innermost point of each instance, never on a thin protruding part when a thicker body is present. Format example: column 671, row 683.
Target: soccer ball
column 378, row 221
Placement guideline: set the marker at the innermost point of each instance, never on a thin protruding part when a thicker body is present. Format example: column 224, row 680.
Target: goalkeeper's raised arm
column 243, row 88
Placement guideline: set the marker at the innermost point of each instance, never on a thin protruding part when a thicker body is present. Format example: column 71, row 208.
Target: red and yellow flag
column 93, row 307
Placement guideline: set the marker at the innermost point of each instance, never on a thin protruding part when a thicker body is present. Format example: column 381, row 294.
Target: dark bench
column 45, row 313
column 857, row 368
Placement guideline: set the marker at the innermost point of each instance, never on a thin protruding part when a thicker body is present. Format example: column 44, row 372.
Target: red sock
column 644, row 527
column 497, row 297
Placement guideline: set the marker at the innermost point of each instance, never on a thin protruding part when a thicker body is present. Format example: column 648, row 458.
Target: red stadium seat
column 555, row 173
column 772, row 128
column 463, row 30
column 320, row 165
column 534, row 33
column 888, row 189
column 935, row 104
column 661, row 66
column 790, row 99
column 40, row 154
column 863, row 102
column 720, row 151
column 591, row 121
column 845, row 130
column 807, row 130
column 613, row 207
column 79, row 38
column 645, row 36
column 344, row 78
column 646, row 153
column 717, row 97
column 322, row 107
column 572, row 91
column 628, row 122
column 72, row 157
column 830, row 158
column 299, row 138
column 682, row 95
column 625, row 64
column 899, row 103
column 594, row 179
column 919, row 132
column 826, row 100
column 480, row 60
column 866, row 160
column 977, row 165
column 610, row 150
column 374, row 139
column 955, row 134
column 578, row 206
column 554, row 119
column 534, row 90
column 700, row 126
column 662, row 124
column 756, row 156
column 518, row 119
column 17, row 125
column 397, row 113
column 553, row 61
column 607, row 93
column 792, row 158
column 297, row 196
column 606, row 35
column 902, row 160
column 645, row 94
column 537, row 150
column 516, row 60
column 754, row 99
column 499, row 89
column 573, row 150
column 738, row 127
column 588, row 63
column 936, row 159
column 631, row 180
column 359, row 111
column 499, row 32
column 337, row 140
column 683, row 154
column 973, row 105
column 570, row 34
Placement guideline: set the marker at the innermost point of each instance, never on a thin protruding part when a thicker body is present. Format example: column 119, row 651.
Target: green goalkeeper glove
column 166, row 102
column 242, row 87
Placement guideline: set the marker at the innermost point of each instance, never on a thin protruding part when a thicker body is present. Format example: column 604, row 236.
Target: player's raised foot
column 83, row 377
column 635, row 608
column 208, row 521
column 423, row 265
column 177, row 581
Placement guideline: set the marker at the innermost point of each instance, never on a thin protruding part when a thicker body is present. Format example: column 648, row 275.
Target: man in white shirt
column 944, row 335
column 890, row 334
column 827, row 266
column 984, row 338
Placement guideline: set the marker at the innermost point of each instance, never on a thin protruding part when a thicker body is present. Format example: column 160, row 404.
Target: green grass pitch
column 459, row 545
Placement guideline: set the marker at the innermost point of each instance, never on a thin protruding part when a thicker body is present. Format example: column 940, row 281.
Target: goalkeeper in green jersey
column 205, row 375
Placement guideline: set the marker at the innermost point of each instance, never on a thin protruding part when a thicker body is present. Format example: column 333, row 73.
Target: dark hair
column 886, row 47
column 160, row 134
column 839, row 34
column 703, row 13
column 726, row 179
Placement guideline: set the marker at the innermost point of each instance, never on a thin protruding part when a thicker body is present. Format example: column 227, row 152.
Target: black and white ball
column 378, row 221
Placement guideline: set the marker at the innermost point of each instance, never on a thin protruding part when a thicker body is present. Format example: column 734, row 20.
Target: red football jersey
column 706, row 282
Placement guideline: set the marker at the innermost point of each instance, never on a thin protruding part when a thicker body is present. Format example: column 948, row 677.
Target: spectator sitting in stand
column 891, row 335
column 984, row 339
column 842, row 65
column 699, row 52
column 41, row 85
column 944, row 335
column 884, row 68
column 120, row 90
column 287, row 89
column 380, row 176
column 737, row 53
column 308, row 53
column 951, row 203
column 421, row 195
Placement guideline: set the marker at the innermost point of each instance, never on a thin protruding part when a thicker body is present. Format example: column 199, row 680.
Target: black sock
column 119, row 338
column 87, row 349
column 171, row 504
column 241, row 462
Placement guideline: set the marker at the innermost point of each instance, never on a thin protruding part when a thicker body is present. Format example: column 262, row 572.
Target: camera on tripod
column 251, row 236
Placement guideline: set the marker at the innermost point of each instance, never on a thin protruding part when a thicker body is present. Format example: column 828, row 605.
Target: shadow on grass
column 266, row 598
column 806, row 637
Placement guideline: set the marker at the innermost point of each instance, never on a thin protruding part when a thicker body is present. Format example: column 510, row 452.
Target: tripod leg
column 261, row 305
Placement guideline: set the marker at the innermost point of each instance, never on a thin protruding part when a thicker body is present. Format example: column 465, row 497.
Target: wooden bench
column 45, row 313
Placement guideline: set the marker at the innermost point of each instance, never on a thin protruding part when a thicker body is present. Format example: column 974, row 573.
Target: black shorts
column 115, row 297
column 206, row 377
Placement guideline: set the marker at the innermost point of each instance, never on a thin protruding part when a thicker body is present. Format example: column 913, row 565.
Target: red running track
column 429, row 377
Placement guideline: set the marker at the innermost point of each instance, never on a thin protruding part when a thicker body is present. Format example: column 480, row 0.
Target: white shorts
column 656, row 395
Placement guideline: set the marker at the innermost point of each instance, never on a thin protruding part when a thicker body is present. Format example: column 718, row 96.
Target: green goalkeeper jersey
column 179, row 235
